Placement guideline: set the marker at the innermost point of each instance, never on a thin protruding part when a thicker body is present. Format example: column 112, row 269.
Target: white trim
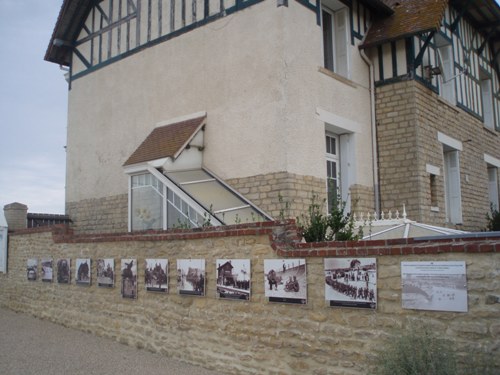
column 432, row 169
column 449, row 141
column 337, row 124
column 181, row 118
column 492, row 160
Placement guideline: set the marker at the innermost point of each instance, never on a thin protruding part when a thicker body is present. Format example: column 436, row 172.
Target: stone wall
column 287, row 195
column 256, row 336
column 99, row 215
column 409, row 117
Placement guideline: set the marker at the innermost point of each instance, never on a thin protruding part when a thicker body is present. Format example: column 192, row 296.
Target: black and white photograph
column 63, row 270
column 285, row 280
column 156, row 275
column 351, row 282
column 191, row 277
column 32, row 269
column 83, row 271
column 233, row 279
column 106, row 272
column 438, row 286
column 47, row 266
column 129, row 278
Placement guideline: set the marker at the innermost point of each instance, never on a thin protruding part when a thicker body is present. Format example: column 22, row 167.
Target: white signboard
column 3, row 249
column 439, row 286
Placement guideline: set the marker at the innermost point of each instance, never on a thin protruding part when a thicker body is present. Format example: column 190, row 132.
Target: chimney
column 16, row 216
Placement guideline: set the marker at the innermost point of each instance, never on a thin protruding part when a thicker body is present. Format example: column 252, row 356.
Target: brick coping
column 487, row 242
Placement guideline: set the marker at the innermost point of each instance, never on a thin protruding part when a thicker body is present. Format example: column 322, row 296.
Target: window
column 336, row 37
column 446, row 64
column 332, row 169
column 493, row 187
column 487, row 100
column 452, row 185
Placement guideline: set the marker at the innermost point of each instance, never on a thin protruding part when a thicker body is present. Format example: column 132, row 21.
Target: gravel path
column 30, row 346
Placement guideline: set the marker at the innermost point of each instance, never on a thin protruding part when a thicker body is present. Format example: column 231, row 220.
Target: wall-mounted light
column 431, row 71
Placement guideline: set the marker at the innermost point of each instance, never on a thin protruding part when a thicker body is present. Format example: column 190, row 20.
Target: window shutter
column 341, row 40
column 327, row 40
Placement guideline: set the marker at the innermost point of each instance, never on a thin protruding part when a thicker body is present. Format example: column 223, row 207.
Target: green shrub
column 493, row 220
column 316, row 226
column 416, row 351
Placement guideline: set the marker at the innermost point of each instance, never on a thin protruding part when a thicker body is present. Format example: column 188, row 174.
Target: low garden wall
column 255, row 336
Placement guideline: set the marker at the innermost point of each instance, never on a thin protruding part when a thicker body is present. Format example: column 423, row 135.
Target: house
column 207, row 112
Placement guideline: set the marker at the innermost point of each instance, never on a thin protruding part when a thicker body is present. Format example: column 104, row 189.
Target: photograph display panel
column 83, row 271
column 63, row 270
column 285, row 280
column 106, row 272
column 351, row 282
column 47, row 267
column 156, row 275
column 129, row 278
column 438, row 286
column 191, row 277
column 233, row 279
column 32, row 269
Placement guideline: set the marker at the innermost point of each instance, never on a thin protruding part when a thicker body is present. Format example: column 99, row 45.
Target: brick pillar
column 15, row 215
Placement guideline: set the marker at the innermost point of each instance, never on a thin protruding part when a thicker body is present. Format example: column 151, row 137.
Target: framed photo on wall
column 129, row 278
column 351, row 282
column 233, row 279
column 106, row 272
column 156, row 275
column 47, row 267
column 63, row 270
column 32, row 269
column 285, row 280
column 191, row 277
column 83, row 271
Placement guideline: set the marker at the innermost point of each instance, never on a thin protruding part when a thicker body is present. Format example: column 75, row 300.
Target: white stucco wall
column 256, row 75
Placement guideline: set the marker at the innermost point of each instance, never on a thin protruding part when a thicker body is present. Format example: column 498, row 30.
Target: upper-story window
column 447, row 66
column 335, row 20
column 487, row 100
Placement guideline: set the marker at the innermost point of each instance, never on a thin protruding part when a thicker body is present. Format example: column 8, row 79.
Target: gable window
column 335, row 23
column 487, row 100
column 332, row 169
column 446, row 64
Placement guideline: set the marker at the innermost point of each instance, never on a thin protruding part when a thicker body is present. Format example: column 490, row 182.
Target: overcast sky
column 33, row 107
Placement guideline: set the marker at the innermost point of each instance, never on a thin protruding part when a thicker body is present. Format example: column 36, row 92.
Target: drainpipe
column 373, row 127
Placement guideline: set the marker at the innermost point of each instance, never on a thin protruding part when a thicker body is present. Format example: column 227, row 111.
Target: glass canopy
column 187, row 199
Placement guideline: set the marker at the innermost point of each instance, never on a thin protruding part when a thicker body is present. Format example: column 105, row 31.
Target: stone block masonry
column 256, row 336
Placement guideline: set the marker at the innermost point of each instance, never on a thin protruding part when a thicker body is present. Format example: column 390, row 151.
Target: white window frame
column 339, row 31
column 333, row 158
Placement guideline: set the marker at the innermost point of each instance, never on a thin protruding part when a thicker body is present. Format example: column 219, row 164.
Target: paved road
column 29, row 346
